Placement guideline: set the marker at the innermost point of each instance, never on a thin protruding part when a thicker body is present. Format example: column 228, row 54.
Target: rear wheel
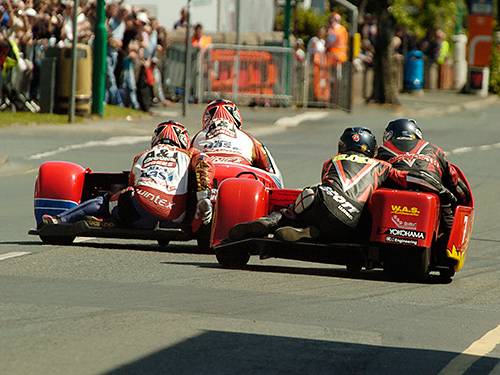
column 420, row 269
column 203, row 237
column 450, row 271
column 407, row 263
column 58, row 240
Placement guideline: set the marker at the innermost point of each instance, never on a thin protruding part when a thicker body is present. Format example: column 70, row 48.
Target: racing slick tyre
column 403, row 263
column 353, row 269
column 203, row 237
column 58, row 240
column 163, row 242
column 231, row 258
column 449, row 272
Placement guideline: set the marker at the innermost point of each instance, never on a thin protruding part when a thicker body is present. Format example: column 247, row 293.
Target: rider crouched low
column 160, row 183
column 332, row 210
column 427, row 169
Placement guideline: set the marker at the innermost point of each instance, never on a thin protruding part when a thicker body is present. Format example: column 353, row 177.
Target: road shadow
column 333, row 271
column 175, row 247
column 221, row 353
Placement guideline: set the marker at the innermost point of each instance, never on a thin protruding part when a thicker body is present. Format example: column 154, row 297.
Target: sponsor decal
column 154, row 198
column 221, row 128
column 403, row 233
column 223, row 145
column 162, row 156
column 354, row 158
column 404, row 210
column 411, row 158
column 403, row 224
column 403, row 241
column 345, row 207
column 227, row 159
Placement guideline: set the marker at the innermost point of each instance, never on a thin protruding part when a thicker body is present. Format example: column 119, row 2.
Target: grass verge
column 111, row 112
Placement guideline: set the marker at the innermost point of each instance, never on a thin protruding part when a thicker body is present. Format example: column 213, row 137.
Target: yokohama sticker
column 403, row 233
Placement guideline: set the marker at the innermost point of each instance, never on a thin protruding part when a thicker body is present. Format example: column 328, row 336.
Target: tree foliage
column 420, row 16
column 305, row 22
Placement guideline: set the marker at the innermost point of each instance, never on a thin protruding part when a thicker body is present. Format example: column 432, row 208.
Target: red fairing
column 462, row 227
column 231, row 170
column 60, row 180
column 403, row 217
column 239, row 200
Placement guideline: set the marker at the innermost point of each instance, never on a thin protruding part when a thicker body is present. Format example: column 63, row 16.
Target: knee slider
column 304, row 200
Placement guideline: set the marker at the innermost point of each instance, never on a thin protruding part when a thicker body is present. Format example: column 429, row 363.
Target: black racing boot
column 291, row 234
column 256, row 228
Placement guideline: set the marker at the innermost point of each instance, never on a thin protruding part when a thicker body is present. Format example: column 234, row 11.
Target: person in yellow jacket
column 337, row 39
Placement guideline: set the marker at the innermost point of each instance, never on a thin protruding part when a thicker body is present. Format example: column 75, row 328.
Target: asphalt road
column 105, row 306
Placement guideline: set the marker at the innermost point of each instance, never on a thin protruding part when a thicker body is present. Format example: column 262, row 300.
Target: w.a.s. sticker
column 404, row 210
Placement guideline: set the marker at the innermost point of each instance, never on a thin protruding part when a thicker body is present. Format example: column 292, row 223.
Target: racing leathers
column 334, row 207
column 428, row 169
column 348, row 180
column 160, row 183
column 225, row 143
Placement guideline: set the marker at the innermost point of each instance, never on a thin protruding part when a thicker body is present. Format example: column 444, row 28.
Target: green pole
column 99, row 66
column 287, row 22
column 71, row 118
column 286, row 28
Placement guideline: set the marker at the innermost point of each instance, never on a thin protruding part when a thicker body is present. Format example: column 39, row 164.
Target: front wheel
column 231, row 258
column 58, row 240
column 163, row 243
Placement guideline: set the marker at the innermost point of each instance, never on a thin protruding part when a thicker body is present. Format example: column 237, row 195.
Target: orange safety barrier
column 257, row 73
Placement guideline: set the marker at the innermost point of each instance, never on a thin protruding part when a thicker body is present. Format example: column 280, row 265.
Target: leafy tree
column 305, row 22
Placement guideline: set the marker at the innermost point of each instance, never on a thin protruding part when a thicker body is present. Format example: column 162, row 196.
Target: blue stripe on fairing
column 52, row 207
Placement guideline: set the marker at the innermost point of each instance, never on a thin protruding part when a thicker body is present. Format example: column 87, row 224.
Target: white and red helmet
column 221, row 109
column 172, row 133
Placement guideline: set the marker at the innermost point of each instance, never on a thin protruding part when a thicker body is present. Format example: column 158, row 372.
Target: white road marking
column 114, row 141
column 478, row 349
column 279, row 126
column 84, row 239
column 13, row 254
column 462, row 150
column 285, row 123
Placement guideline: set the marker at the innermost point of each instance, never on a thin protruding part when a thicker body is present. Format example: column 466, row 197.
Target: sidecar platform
column 57, row 234
column 401, row 262
column 236, row 254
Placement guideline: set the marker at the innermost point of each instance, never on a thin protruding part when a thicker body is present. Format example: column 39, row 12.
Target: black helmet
column 402, row 127
column 358, row 139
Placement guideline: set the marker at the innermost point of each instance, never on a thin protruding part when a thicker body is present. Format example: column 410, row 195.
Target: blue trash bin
column 414, row 71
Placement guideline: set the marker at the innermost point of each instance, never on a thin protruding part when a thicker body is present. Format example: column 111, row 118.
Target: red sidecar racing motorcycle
column 62, row 185
column 402, row 234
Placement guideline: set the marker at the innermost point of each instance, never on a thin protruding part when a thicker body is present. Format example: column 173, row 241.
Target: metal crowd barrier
column 261, row 75
column 327, row 82
column 247, row 73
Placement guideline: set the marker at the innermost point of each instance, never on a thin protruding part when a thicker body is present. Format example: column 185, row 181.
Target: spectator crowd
column 136, row 49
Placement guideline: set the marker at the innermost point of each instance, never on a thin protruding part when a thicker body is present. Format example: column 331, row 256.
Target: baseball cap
column 143, row 17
